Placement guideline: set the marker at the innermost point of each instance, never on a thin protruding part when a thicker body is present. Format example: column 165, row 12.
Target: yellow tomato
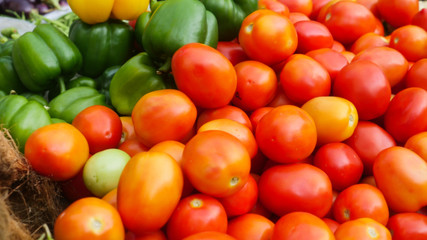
column 335, row 118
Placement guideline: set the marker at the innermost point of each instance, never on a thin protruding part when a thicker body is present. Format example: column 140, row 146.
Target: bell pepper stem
column 62, row 87
column 166, row 67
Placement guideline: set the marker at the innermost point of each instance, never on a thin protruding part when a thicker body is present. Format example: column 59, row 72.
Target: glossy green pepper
column 6, row 48
column 175, row 23
column 9, row 79
column 35, row 97
column 81, row 81
column 68, row 104
column 140, row 24
column 42, row 56
column 133, row 80
column 22, row 117
column 103, row 83
column 230, row 15
column 102, row 45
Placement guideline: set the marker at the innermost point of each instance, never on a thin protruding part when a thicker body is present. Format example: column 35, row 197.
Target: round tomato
column 250, row 226
column 400, row 168
column 228, row 112
column 232, row 51
column 89, row 218
column 308, row 183
column 420, row 19
column 372, row 5
column 256, row 116
column 153, row 112
column 111, row 198
column 153, row 180
column 286, row 134
column 58, row 151
column 302, row 6
column 275, row 6
column 362, row 229
column 128, row 131
column 196, row 213
column 268, row 37
column 416, row 76
column 335, row 118
column 210, row 235
column 407, row 114
column 317, row 5
column 408, row 226
column 75, row 188
column 418, row 144
column 280, row 99
column 341, row 163
column 303, row 78
column 397, row 12
column 204, row 75
column 367, row 41
column 331, row 60
column 332, row 224
column 133, row 146
column 216, row 163
column 411, row 41
column 295, row 17
column 365, row 85
column 301, row 226
column 256, row 85
column 312, row 35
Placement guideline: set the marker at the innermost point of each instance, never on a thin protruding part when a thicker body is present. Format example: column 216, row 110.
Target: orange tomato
column 367, row 41
column 362, row 229
column 149, row 190
column 411, row 41
column 58, row 151
column 210, row 235
column 302, row 6
column 330, row 59
column 418, row 144
column 228, row 112
column 128, row 131
column 275, row 6
column 250, row 226
column 111, row 198
column 256, row 116
column 89, row 218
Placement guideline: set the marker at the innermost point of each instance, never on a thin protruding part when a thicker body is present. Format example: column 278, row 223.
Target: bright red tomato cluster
column 312, row 124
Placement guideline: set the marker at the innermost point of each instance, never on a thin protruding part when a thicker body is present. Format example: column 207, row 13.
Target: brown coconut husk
column 27, row 200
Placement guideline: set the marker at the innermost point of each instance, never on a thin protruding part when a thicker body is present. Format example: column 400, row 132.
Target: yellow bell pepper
column 98, row 11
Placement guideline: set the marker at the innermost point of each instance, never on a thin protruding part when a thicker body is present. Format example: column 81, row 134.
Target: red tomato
column 337, row 46
column 416, row 76
column 347, row 21
column 250, row 226
column 275, row 6
column 418, row 144
column 58, row 151
column 210, row 235
column 153, row 112
column 156, row 235
column 133, row 146
column 312, row 35
column 228, row 112
column 391, row 61
column 286, row 134
column 317, row 5
column 256, row 85
column 411, row 41
column 242, row 201
column 308, row 183
column 268, row 37
column 75, row 188
column 330, row 59
column 365, row 85
column 89, row 218
column 301, row 226
column 194, row 214
column 359, row 201
column 153, row 180
column 256, row 116
column 295, row 17
column 204, row 74
column 303, row 78
column 408, row 226
column 372, row 5
column 367, row 41
column 280, row 99
column 128, row 131
column 111, row 198
column 232, row 51
column 341, row 163
column 362, row 229
column 332, row 224
column 407, row 114
column 302, row 6
column 397, row 12
column 420, row 19
column 401, row 168
column 368, row 140
column 216, row 163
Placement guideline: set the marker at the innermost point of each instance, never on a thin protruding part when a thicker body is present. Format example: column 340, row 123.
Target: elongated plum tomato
column 89, row 218
column 153, row 180
column 58, row 151
column 152, row 116
column 216, row 163
column 205, row 75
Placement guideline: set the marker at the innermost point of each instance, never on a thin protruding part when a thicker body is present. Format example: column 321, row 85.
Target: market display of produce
column 207, row 119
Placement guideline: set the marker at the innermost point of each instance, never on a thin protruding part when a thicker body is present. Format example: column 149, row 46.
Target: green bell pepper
column 43, row 55
column 2, row 93
column 9, row 79
column 230, row 15
column 133, row 80
column 175, row 23
column 81, row 81
column 35, row 97
column 140, row 24
column 6, row 48
column 22, row 117
column 68, row 104
column 102, row 45
column 104, row 81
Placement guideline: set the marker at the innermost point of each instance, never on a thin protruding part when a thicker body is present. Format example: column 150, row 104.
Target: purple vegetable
column 19, row 6
column 42, row 8
column 62, row 3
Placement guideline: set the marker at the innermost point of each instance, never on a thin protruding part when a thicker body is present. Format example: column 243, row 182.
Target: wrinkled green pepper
column 230, row 15
column 133, row 80
column 22, row 117
column 42, row 56
column 102, row 45
column 9, row 79
column 175, row 23
column 68, row 104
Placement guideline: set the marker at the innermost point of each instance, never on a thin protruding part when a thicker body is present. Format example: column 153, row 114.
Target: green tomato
column 102, row 170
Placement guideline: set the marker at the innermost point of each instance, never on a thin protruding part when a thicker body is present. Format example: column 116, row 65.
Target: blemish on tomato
column 249, row 28
column 234, row 181
column 196, row 203
column 372, row 232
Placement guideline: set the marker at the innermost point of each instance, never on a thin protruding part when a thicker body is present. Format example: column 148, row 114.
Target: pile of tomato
column 312, row 124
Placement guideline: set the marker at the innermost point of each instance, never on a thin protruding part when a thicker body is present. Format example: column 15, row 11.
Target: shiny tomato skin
column 365, row 85
column 302, row 6
column 196, row 213
column 397, row 12
column 330, row 59
column 341, row 163
column 256, row 116
column 301, row 226
column 128, row 130
column 416, row 76
column 407, row 114
column 312, row 35
column 89, row 218
column 420, row 19
column 155, row 181
column 332, row 224
column 308, row 183
column 204, row 74
column 372, row 5
column 275, row 6
column 232, row 51
column 317, row 5
column 250, row 226
column 58, row 151
column 368, row 40
column 362, row 229
column 408, row 226
column 133, row 146
column 418, row 144
column 228, row 112
column 286, row 134
column 399, row 167
column 411, row 41
column 210, row 235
